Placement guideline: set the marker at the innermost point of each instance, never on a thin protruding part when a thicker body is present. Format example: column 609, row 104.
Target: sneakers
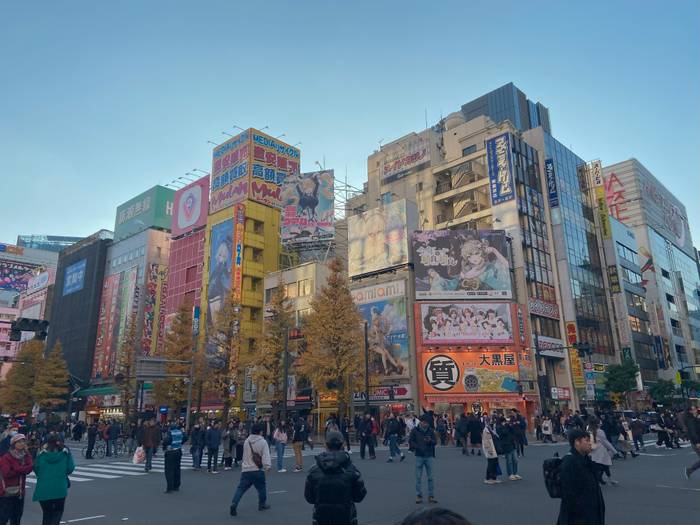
column 686, row 473
column 419, row 499
column 489, row 481
column 297, row 469
column 263, row 507
column 390, row 460
column 517, row 477
column 233, row 511
column 512, row 477
column 431, row 500
column 214, row 471
column 613, row 481
column 402, row 458
column 227, row 468
column 282, row 470
column 496, row 481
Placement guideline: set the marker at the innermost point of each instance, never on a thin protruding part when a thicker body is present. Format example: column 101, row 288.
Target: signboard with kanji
column 470, row 372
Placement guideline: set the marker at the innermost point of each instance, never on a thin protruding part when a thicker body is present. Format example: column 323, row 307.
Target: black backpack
column 551, row 468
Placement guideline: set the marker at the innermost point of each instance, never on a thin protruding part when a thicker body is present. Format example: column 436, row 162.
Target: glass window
column 290, row 290
column 468, row 150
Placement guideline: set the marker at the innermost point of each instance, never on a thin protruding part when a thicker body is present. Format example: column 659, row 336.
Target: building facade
column 49, row 243
column 16, row 266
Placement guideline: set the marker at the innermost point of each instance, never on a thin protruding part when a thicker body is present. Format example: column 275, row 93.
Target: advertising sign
column 14, row 275
column 383, row 393
column 464, row 264
column 308, row 208
column 378, row 238
column 602, row 207
column 40, row 281
column 152, row 307
column 383, row 307
column 498, row 152
column 550, row 347
column 465, row 323
column 191, row 207
column 220, row 269
column 153, row 208
column 106, row 324
column 469, row 372
column 230, row 172
column 551, row 183
column 74, row 277
column 11, row 248
column 614, row 279
column 404, row 156
column 273, row 161
column 239, row 235
column 543, row 308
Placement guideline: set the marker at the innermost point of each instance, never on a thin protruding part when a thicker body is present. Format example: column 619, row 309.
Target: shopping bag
column 139, row 456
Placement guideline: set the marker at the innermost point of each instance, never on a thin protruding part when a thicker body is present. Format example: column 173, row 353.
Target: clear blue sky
column 101, row 100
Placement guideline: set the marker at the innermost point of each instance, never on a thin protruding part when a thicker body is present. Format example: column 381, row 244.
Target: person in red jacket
column 14, row 467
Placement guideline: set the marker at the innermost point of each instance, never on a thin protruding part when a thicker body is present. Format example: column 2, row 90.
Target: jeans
column 172, row 469
column 364, row 442
column 511, row 463
column 11, row 510
column 52, row 510
column 394, row 446
column 149, row 457
column 90, row 448
column 426, row 462
column 279, row 447
column 255, row 479
column 196, row 451
column 131, row 446
column 491, row 468
column 212, row 457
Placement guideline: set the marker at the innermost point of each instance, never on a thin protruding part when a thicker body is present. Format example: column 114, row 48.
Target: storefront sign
column 543, row 308
column 551, row 183
column 614, row 279
column 470, row 372
column 500, row 169
column 550, row 347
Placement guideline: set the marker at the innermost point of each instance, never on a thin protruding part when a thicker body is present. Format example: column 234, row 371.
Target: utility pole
column 285, row 388
column 366, row 367
column 195, row 334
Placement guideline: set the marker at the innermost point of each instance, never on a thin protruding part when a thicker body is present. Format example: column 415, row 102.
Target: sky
column 101, row 100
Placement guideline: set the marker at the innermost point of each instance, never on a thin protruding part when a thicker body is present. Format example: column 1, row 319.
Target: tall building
column 16, row 266
column 50, row 243
column 668, row 262
column 8, row 349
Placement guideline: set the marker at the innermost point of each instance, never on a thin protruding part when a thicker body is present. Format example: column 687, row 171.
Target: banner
column 308, row 208
column 465, row 323
column 153, row 307
column 230, row 172
column 239, row 236
column 152, row 208
column 500, row 161
column 551, row 183
column 15, row 275
column 464, row 264
column 404, row 156
column 469, row 372
column 273, row 161
column 191, row 207
column 220, row 269
column 106, row 324
column 378, row 238
column 383, row 307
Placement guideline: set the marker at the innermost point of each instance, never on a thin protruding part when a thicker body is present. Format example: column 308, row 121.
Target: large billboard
column 191, row 207
column 153, row 307
column 462, row 323
column 307, row 208
column 14, row 275
column 152, row 209
column 383, row 307
column 378, row 239
column 74, row 277
column 466, row 372
column 273, row 161
column 229, row 172
column 404, row 156
column 220, row 270
column 464, row 264
column 500, row 161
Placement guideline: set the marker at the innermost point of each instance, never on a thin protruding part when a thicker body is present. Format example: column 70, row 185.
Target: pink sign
column 191, row 207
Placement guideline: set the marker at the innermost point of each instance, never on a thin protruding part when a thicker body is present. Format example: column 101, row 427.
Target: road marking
column 277, row 492
column 85, row 519
column 655, row 455
column 86, row 472
column 677, row 488
column 95, row 468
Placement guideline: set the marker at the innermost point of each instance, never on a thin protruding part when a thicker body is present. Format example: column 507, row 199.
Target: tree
column 622, row 379
column 662, row 391
column 125, row 372
column 333, row 359
column 177, row 348
column 16, row 391
column 51, row 382
column 267, row 358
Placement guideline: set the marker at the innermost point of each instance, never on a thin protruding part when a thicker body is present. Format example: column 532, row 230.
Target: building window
column 190, row 274
column 189, row 297
column 626, row 253
column 290, row 290
column 636, row 301
column 665, row 274
column 305, row 287
column 468, row 150
column 386, row 197
column 639, row 325
column 630, row 276
column 643, row 351
column 302, row 314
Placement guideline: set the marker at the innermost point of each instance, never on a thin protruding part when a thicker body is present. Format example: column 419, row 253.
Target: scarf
column 18, row 454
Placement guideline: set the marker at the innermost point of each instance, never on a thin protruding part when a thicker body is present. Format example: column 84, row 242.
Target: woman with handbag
column 53, row 465
column 489, row 441
column 14, row 467
column 602, row 451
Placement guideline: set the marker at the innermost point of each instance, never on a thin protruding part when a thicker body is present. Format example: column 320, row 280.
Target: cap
column 16, row 438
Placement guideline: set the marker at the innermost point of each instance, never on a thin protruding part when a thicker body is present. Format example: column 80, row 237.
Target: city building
column 49, row 243
column 668, row 263
column 16, row 265
column 8, row 349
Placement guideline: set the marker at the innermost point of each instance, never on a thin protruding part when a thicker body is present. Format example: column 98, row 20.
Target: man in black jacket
column 692, row 423
column 334, row 485
column 582, row 500
column 366, row 438
column 197, row 445
column 392, row 434
column 422, row 443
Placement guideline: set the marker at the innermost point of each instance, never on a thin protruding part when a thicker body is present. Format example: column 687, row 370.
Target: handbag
column 10, row 492
column 257, row 458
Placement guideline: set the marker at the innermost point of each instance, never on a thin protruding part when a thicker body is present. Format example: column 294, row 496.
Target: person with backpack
column 14, row 467
column 52, row 467
column 256, row 460
column 334, row 485
column 491, row 447
column 581, row 498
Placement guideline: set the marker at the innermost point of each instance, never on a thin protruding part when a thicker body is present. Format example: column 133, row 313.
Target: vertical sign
column 238, row 232
column 601, row 200
column 500, row 169
column 575, row 360
column 551, row 183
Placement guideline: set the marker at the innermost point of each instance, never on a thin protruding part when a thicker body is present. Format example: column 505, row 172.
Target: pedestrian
column 392, row 434
column 280, row 438
column 298, row 438
column 334, row 485
column 422, row 443
column 114, row 430
column 228, row 443
column 197, row 445
column 131, row 431
column 475, row 429
column 256, row 460
column 241, row 435
column 212, row 440
column 692, row 423
column 582, row 500
column 441, row 429
column 491, row 446
column 602, row 451
column 520, row 429
column 14, row 467
column 52, row 468
column 637, row 428
column 91, row 437
column 508, row 446
column 149, row 438
column 462, row 432
column 434, row 516
column 345, row 430
column 366, row 438
column 547, row 430
column 663, row 427
column 172, row 449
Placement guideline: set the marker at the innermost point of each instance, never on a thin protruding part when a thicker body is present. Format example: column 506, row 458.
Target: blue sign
column 196, row 314
column 500, row 161
column 74, row 277
column 163, row 409
column 551, row 183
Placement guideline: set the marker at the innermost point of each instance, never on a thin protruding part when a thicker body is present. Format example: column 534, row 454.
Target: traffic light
column 583, row 349
column 22, row 324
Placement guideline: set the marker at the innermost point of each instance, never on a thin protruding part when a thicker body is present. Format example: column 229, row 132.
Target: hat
column 16, row 438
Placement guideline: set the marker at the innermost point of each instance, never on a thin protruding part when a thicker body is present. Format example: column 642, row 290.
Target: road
column 651, row 491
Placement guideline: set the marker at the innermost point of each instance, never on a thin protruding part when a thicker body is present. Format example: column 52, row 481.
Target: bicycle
column 99, row 450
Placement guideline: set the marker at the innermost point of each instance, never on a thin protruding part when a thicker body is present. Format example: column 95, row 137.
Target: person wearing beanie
column 53, row 465
column 14, row 467
column 334, row 485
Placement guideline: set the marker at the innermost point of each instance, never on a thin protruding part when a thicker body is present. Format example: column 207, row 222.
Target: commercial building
column 49, row 243
column 16, row 265
column 35, row 302
column 668, row 263
column 8, row 349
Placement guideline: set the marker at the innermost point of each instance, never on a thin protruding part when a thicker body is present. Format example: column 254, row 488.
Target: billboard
column 239, row 237
column 153, row 307
column 465, row 323
column 14, row 275
column 106, row 323
column 500, row 161
column 551, row 183
column 220, row 270
column 152, row 209
column 467, row 372
column 273, row 161
column 41, row 281
column 307, row 208
column 383, row 307
column 464, row 264
column 74, row 277
column 378, row 238
column 404, row 156
column 229, row 172
column 191, row 207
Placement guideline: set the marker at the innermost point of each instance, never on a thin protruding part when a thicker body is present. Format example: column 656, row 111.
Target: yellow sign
column 603, row 212
column 576, row 369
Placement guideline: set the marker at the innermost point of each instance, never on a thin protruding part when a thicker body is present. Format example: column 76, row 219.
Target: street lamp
column 201, row 171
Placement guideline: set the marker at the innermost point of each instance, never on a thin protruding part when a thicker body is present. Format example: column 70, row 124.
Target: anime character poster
column 465, row 264
column 307, row 213
column 383, row 307
column 220, row 266
column 465, row 323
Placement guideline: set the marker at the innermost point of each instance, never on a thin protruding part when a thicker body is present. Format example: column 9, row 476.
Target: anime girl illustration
column 307, row 190
column 379, row 342
column 483, row 267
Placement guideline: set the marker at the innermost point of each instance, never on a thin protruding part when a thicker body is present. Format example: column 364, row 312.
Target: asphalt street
column 651, row 491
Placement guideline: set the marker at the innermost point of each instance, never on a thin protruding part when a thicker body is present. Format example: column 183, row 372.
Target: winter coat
column 113, row 431
column 475, row 431
column 333, row 486
column 365, row 428
column 462, row 426
column 14, row 471
column 507, row 438
column 489, row 443
column 197, row 437
column 299, row 434
column 393, row 428
column 693, row 427
column 52, row 470
column 582, row 500
column 149, row 436
column 603, row 451
column 227, row 442
column 422, row 442
column 212, row 438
